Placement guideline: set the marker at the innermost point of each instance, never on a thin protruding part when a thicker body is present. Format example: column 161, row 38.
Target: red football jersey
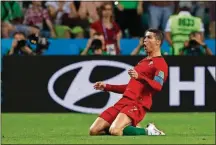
column 152, row 73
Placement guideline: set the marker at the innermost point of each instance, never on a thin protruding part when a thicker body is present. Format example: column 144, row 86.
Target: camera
column 34, row 43
column 194, row 44
column 41, row 43
column 96, row 44
column 19, row 46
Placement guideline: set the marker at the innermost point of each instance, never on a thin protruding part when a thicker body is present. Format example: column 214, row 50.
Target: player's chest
column 145, row 67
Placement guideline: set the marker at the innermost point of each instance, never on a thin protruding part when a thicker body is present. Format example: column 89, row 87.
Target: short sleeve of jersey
column 95, row 25
column 202, row 29
column 168, row 26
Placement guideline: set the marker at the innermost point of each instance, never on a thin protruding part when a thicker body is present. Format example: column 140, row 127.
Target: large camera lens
column 96, row 44
column 21, row 44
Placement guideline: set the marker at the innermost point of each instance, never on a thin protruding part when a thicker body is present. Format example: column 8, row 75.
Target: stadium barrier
column 75, row 46
column 65, row 84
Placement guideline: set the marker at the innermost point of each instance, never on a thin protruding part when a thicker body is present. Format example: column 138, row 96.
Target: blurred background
column 72, row 26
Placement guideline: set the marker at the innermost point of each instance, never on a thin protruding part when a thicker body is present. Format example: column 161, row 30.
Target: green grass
column 181, row 128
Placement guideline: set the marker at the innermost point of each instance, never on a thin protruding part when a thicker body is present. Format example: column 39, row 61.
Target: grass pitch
column 72, row 128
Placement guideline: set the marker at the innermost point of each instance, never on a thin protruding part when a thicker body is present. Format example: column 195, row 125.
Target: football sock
column 131, row 130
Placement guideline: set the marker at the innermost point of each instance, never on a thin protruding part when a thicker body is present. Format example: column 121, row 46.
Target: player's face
column 150, row 42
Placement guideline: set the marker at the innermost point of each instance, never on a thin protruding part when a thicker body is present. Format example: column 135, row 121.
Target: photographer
column 40, row 44
column 19, row 46
column 195, row 46
column 139, row 50
column 95, row 45
column 34, row 45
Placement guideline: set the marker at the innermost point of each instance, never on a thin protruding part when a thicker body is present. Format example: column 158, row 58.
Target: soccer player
column 147, row 78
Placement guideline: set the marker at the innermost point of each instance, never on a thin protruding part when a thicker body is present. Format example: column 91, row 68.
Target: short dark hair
column 19, row 33
column 158, row 34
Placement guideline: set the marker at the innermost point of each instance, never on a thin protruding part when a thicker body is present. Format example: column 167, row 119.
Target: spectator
column 11, row 18
column 128, row 16
column 199, row 9
column 195, row 46
column 11, row 12
column 58, row 8
column 139, row 50
column 88, row 10
column 212, row 12
column 56, row 11
column 19, row 45
column 108, row 27
column 90, row 47
column 73, row 21
column 145, row 16
column 159, row 13
column 180, row 26
column 65, row 14
column 35, row 16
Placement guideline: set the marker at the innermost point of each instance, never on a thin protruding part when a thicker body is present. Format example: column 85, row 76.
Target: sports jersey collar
column 154, row 57
column 184, row 13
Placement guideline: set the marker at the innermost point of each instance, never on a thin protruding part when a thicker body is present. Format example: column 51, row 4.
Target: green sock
column 131, row 130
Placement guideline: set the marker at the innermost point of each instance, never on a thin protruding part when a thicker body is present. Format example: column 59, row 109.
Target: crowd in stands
column 109, row 22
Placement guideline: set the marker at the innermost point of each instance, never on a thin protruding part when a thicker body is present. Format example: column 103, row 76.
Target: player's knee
column 93, row 131
column 115, row 131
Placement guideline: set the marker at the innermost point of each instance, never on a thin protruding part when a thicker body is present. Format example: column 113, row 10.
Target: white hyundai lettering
column 81, row 87
column 198, row 86
column 212, row 69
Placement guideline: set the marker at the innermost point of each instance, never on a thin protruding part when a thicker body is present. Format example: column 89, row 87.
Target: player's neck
column 154, row 54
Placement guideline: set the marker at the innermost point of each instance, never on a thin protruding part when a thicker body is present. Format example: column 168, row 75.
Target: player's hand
column 133, row 73
column 99, row 86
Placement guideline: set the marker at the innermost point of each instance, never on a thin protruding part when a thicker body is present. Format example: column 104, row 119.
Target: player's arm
column 156, row 83
column 112, row 88
column 120, row 89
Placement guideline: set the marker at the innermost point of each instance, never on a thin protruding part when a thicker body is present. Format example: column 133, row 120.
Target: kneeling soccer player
column 147, row 77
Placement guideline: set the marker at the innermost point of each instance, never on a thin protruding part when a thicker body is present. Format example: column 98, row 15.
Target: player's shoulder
column 160, row 62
